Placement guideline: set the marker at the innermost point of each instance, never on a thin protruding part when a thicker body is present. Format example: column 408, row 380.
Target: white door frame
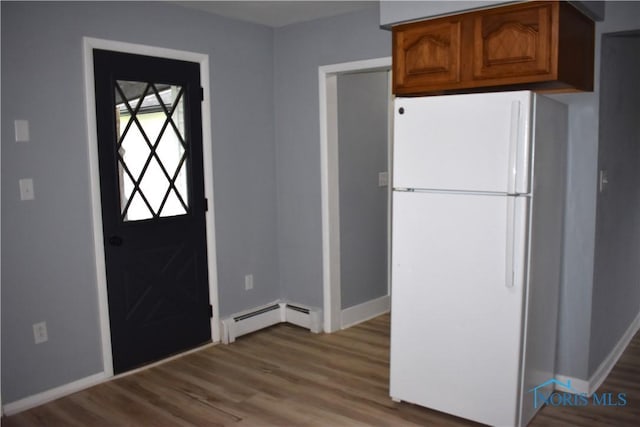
column 327, row 83
column 96, row 206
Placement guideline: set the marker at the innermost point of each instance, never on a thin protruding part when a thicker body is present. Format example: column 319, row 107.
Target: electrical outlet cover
column 248, row 282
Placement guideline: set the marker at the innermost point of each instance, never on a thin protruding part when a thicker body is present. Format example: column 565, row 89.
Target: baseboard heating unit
column 267, row 315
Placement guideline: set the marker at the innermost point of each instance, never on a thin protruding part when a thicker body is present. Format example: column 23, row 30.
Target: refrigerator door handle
column 509, row 258
column 514, row 143
column 516, row 241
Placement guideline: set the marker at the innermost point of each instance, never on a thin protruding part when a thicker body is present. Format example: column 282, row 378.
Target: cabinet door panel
column 514, row 43
column 428, row 55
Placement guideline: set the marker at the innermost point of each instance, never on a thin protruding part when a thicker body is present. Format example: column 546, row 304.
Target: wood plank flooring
column 286, row 376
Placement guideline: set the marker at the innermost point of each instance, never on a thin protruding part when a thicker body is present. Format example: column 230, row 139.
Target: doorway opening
column 331, row 79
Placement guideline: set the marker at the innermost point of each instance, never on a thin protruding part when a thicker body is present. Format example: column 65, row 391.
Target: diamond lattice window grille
column 152, row 150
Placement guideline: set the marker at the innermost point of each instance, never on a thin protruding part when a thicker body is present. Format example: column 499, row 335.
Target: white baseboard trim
column 362, row 312
column 600, row 375
column 54, row 393
column 578, row 386
column 608, row 363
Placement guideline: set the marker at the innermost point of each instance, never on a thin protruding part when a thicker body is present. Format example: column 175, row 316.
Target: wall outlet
column 40, row 332
column 248, row 282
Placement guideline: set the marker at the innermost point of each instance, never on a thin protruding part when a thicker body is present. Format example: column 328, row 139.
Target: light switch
column 383, row 179
column 22, row 130
column 26, row 189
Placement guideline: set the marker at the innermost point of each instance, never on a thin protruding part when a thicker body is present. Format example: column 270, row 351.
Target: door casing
column 96, row 208
column 327, row 84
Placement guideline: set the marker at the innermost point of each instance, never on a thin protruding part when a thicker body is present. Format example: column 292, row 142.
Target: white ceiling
column 277, row 13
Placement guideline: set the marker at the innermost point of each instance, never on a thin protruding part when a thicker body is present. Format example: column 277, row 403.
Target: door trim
column 328, row 95
column 96, row 206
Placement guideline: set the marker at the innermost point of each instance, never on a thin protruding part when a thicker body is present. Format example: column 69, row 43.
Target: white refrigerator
column 478, row 207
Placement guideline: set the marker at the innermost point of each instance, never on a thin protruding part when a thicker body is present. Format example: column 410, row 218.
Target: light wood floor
column 287, row 376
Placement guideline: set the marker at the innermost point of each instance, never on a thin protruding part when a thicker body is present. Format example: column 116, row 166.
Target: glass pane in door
column 152, row 150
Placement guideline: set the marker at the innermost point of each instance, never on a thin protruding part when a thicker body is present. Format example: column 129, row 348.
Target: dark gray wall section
column 299, row 51
column 617, row 270
column 48, row 271
column 363, row 115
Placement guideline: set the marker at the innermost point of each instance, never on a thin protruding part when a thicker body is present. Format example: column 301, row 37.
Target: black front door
column 153, row 206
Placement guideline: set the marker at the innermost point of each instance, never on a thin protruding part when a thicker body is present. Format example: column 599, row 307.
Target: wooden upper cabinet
column 546, row 46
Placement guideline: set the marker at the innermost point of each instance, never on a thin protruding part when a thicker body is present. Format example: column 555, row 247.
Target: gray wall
column 616, row 282
column 576, row 297
column 396, row 11
column 48, row 271
column 363, row 115
column 299, row 51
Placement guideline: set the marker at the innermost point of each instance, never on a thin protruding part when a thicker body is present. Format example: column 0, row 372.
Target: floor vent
column 262, row 317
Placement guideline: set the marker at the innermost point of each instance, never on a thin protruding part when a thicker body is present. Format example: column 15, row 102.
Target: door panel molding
column 96, row 206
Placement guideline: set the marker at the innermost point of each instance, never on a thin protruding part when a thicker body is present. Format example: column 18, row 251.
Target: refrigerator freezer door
column 471, row 143
column 457, row 304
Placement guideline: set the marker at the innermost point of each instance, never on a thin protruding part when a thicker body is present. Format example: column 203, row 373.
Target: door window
column 151, row 150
